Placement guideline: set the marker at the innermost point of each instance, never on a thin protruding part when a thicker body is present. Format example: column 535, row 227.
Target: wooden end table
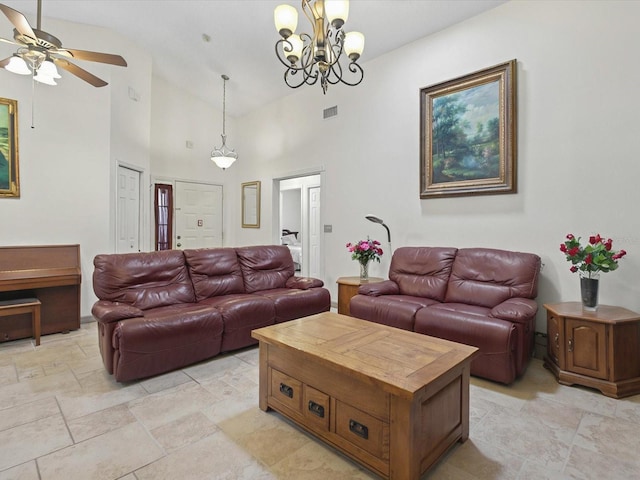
column 348, row 287
column 394, row 401
column 598, row 349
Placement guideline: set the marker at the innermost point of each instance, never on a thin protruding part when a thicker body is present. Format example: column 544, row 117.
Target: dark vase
column 589, row 290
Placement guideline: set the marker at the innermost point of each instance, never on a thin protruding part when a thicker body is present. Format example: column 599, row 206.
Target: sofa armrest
column 304, row 283
column 108, row 312
column 386, row 287
column 518, row 310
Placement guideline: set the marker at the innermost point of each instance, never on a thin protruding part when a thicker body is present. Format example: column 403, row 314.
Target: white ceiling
column 242, row 37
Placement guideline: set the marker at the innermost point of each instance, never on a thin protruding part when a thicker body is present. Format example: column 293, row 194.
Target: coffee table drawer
column 316, row 408
column 286, row 390
column 362, row 430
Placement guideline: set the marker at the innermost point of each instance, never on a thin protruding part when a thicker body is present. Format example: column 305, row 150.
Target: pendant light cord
column 224, row 104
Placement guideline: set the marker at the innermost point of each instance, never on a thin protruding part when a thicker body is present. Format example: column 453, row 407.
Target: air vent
column 330, row 112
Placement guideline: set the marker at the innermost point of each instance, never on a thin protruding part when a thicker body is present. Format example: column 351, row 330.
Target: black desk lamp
column 374, row 219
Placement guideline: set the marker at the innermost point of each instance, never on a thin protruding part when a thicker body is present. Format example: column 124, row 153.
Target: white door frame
column 275, row 208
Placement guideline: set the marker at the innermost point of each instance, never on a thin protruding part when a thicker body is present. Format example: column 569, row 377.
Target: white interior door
column 314, row 232
column 128, row 211
column 198, row 215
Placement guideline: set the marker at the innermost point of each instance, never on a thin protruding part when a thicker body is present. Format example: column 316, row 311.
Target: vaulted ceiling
column 242, row 37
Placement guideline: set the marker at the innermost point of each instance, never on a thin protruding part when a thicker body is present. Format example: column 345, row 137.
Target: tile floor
column 63, row 417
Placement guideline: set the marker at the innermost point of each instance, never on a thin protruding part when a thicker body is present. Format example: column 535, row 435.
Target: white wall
column 68, row 159
column 178, row 117
column 291, row 209
column 576, row 122
column 577, row 117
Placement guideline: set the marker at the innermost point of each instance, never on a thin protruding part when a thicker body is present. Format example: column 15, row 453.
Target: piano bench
column 24, row 305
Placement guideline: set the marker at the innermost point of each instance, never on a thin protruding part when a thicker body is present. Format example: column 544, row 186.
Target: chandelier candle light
column 317, row 56
column 597, row 256
column 224, row 157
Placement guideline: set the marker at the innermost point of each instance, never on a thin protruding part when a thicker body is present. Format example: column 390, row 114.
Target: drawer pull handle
column 286, row 390
column 555, row 339
column 316, row 409
column 359, row 429
column 571, row 344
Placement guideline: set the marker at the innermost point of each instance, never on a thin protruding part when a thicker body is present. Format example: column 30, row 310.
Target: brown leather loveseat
column 476, row 296
column 159, row 311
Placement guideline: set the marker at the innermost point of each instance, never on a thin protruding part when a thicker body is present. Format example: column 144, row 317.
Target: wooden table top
column 604, row 313
column 398, row 361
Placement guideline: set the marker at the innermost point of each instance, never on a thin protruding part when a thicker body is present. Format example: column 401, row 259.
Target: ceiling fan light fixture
column 18, row 65
column 39, row 50
column 48, row 69
column 44, row 79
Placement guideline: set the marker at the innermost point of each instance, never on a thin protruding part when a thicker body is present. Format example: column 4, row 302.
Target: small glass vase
column 364, row 270
column 589, row 290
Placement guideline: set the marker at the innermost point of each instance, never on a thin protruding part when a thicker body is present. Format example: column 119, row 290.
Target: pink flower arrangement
column 596, row 256
column 365, row 250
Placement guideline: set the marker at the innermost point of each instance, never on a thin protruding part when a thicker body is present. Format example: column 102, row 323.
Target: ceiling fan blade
column 5, row 62
column 9, row 41
column 97, row 57
column 80, row 72
column 19, row 21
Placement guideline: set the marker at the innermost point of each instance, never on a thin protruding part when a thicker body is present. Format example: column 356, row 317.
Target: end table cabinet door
column 554, row 340
column 586, row 348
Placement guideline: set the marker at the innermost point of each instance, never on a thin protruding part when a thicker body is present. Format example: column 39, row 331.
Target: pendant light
column 224, row 157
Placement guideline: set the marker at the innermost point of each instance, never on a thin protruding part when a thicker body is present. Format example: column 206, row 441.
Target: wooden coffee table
column 394, row 401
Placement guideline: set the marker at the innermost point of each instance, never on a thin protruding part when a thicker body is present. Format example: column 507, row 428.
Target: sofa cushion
column 497, row 339
column 242, row 313
column 265, row 267
column 214, row 272
column 422, row 271
column 144, row 280
column 487, row 277
column 394, row 310
column 293, row 303
column 166, row 338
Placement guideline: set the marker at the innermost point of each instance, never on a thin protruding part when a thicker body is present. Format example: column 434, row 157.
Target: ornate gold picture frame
column 251, row 205
column 468, row 134
column 9, row 175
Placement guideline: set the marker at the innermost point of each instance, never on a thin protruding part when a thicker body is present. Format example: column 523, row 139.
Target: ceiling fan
column 42, row 52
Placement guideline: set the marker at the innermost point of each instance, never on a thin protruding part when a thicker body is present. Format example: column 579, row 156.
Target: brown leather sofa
column 159, row 311
column 476, row 296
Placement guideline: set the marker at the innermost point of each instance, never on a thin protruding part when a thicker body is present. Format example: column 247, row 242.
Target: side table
column 348, row 287
column 598, row 349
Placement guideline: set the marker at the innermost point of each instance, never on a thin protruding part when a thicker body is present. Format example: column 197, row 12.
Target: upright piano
column 50, row 273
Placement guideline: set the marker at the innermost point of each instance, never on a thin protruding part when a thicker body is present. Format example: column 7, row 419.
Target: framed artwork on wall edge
column 468, row 134
column 9, row 175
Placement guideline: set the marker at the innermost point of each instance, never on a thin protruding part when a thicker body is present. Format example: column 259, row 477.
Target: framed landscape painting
column 468, row 134
column 9, row 178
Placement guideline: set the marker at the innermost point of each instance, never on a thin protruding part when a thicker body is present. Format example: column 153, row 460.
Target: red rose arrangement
column 597, row 256
column 365, row 250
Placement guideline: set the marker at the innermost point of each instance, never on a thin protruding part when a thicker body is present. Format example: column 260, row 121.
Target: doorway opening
column 299, row 207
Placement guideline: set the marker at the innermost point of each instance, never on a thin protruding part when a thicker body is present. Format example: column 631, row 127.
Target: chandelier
column 224, row 157
column 308, row 58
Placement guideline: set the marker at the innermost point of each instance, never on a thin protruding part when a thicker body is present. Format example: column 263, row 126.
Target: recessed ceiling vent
column 330, row 112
